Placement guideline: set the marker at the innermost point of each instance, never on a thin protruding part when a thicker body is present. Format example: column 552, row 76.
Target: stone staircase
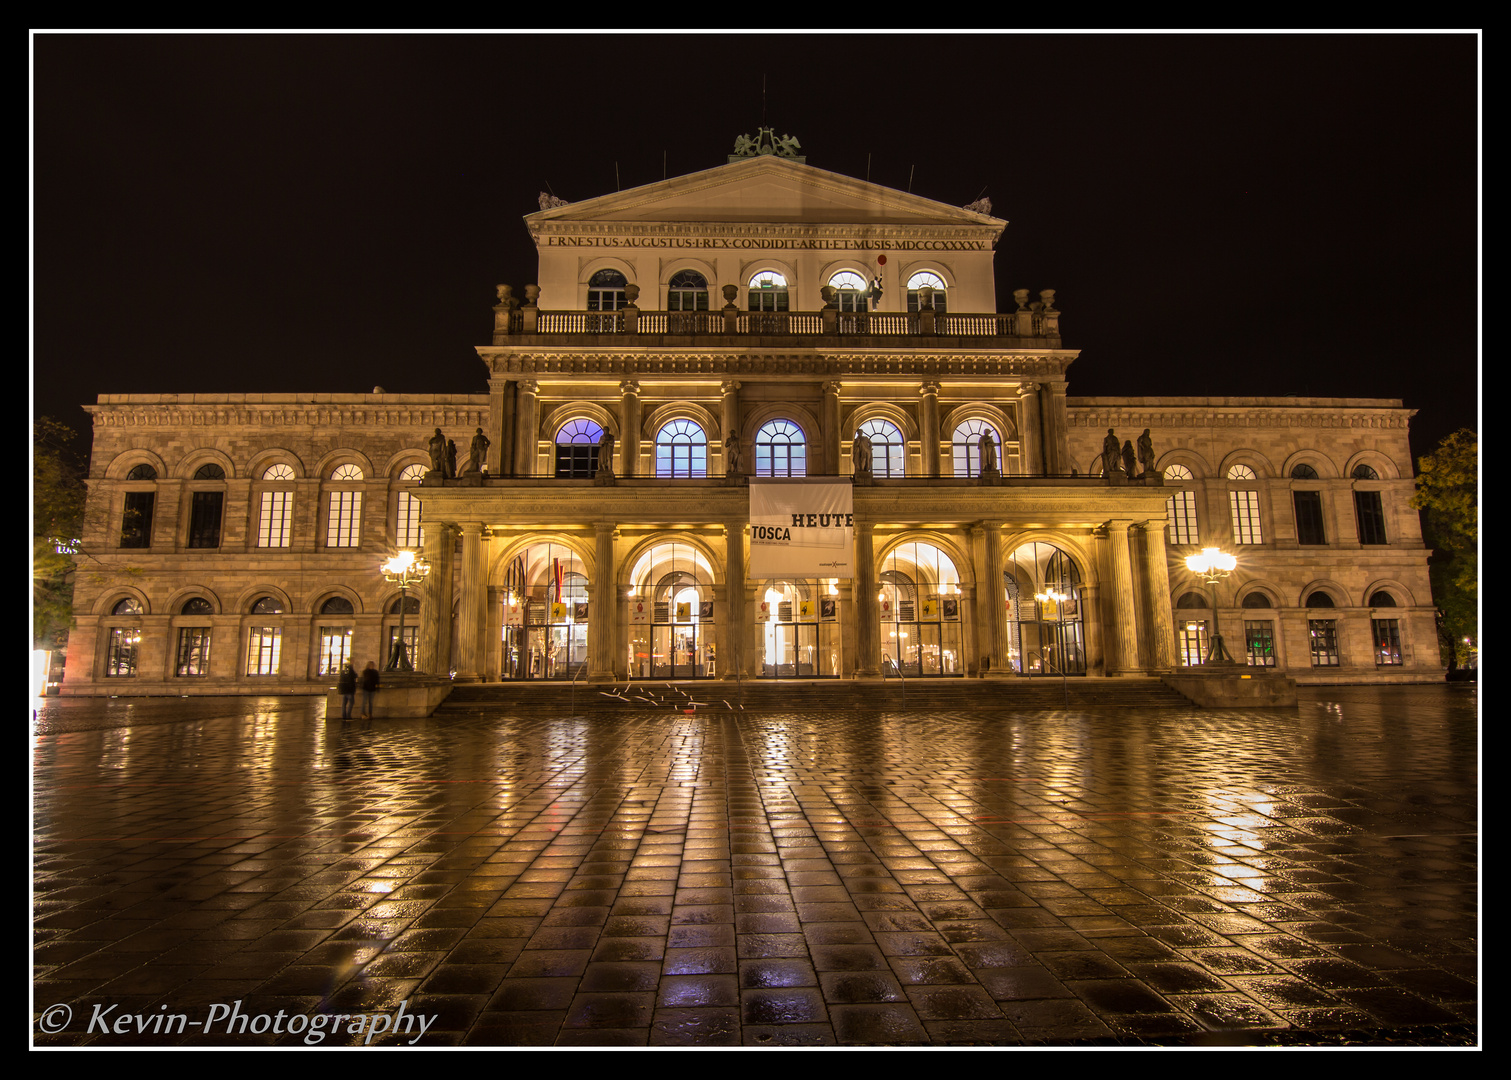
column 773, row 695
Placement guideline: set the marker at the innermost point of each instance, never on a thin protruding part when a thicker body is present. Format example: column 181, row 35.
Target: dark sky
column 1244, row 215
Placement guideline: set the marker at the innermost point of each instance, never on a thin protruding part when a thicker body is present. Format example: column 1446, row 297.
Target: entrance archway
column 921, row 614
column 545, row 599
column 672, row 615
column 1044, row 637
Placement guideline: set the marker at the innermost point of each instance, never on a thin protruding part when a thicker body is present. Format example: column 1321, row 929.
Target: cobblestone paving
column 1146, row 877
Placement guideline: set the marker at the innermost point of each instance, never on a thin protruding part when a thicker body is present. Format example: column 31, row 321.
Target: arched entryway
column 1045, row 629
column 545, row 620
column 921, row 614
column 798, row 629
column 671, row 622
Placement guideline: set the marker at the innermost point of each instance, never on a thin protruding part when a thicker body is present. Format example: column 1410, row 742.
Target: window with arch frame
column 407, row 530
column 606, row 291
column 889, row 450
column 344, row 520
column 577, row 449
column 966, row 445
column 853, row 290
column 926, row 279
column 767, row 291
column 275, row 518
column 681, row 450
column 687, row 291
column 781, row 450
column 1180, row 508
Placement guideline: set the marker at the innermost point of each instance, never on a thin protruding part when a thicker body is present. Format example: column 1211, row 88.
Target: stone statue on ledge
column 450, row 459
column 603, row 472
column 732, row 455
column 1111, row 454
column 1130, row 462
column 437, row 447
column 860, row 455
column 989, row 468
column 1145, row 454
column 480, row 444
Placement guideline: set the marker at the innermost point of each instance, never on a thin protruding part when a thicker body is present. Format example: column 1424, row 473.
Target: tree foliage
column 1448, row 492
column 58, row 495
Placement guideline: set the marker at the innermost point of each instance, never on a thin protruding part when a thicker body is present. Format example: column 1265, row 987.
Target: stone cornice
column 465, row 409
column 511, row 361
column 791, row 236
column 1234, row 414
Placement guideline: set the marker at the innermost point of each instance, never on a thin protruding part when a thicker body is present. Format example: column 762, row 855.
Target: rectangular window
column 344, row 526
column 407, row 534
column 1324, row 633
column 204, row 519
column 263, row 648
column 1259, row 640
column 411, row 637
column 1181, row 510
column 1369, row 512
column 1245, row 505
column 1387, row 641
column 120, row 656
column 136, row 523
column 1193, row 643
column 1309, row 528
column 194, row 650
column 275, row 522
column 335, row 648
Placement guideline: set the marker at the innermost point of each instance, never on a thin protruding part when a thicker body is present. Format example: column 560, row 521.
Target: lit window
column 577, row 449
column 852, row 290
column 128, row 606
column 1387, row 634
column 687, row 291
column 606, row 291
column 279, row 471
column 1241, row 472
column 966, row 444
column 344, row 525
column 275, row 521
column 1177, row 472
column 263, row 646
column 888, row 452
column 407, row 531
column 780, row 450
column 335, row 648
column 120, row 653
column 1180, row 509
column 1324, row 636
column 1245, row 507
column 924, row 279
column 681, row 450
column 1193, row 642
column 767, row 292
column 347, row 472
column 1259, row 641
column 267, row 605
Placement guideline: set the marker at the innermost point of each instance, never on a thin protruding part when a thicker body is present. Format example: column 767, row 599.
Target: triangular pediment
column 764, row 190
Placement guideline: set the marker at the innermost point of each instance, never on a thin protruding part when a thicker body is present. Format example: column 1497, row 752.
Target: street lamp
column 1212, row 565
column 404, row 569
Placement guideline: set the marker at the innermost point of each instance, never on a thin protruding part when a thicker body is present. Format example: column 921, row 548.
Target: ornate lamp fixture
column 404, row 569
column 1212, row 565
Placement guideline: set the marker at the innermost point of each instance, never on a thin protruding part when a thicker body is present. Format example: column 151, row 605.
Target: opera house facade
column 762, row 421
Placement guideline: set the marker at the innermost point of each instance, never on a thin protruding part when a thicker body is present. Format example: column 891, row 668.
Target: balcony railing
column 1038, row 320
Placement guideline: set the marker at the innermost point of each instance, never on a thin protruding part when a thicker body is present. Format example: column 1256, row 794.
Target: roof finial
column 766, row 144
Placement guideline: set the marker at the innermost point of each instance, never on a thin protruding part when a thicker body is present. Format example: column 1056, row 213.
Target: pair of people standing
column 346, row 685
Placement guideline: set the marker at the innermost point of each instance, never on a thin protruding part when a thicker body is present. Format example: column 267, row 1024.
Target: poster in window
column 930, row 609
column 580, row 611
column 514, row 615
column 705, row 611
column 640, row 611
column 951, row 605
column 558, row 612
column 684, row 612
column 828, row 609
column 805, row 609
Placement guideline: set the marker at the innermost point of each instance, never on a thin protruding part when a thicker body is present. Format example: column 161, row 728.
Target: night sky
column 1221, row 215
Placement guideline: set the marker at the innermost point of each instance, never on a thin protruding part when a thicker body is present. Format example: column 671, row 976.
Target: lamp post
column 1212, row 565
column 1057, row 598
column 404, row 569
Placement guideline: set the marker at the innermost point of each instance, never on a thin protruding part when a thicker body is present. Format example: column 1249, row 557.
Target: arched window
column 407, row 531
column 205, row 506
column 1381, row 598
column 1257, row 600
column 1180, row 509
column 966, row 444
column 128, row 606
column 577, row 449
column 1320, row 599
column 1244, row 508
column 1178, row 472
column 1044, row 635
column 1192, row 601
column 267, row 605
column 1303, row 471
column 926, row 279
column 142, row 472
column 920, row 609
column 210, row 472
column 337, row 605
column 852, row 290
column 1241, row 472
column 197, row 605
column 687, row 291
column 681, row 450
column 194, row 640
column 780, row 450
column 888, row 449
column 136, row 513
column 606, row 291
column 1365, row 472
column 343, row 527
column 275, row 519
column 767, row 292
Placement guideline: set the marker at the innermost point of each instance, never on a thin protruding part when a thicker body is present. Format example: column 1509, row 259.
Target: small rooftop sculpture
column 767, row 144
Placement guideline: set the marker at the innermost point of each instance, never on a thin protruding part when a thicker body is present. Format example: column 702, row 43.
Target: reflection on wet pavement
column 1151, row 876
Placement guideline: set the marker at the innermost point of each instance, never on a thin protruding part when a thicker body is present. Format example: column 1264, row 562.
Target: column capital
column 729, row 386
column 833, row 386
column 928, row 386
column 629, row 386
column 529, row 386
column 1028, row 388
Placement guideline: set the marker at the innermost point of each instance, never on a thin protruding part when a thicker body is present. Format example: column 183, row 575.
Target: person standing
column 346, row 686
column 369, row 689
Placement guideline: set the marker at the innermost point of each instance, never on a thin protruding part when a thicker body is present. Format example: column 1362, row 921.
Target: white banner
column 802, row 529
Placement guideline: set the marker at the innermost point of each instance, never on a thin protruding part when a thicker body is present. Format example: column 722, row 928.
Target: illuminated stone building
column 726, row 337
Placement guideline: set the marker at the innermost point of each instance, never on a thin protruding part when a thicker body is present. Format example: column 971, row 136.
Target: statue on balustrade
column 603, row 471
column 480, row 444
column 1145, row 454
column 1111, row 452
column 1130, row 462
column 732, row 455
column 989, row 469
column 860, row 455
column 451, row 458
column 437, row 447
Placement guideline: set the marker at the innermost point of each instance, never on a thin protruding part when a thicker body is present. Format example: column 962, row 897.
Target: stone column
column 603, row 605
column 436, row 597
column 866, row 661
column 1029, row 437
column 525, row 434
column 507, row 398
column 729, row 415
column 471, row 618
column 834, row 440
column 928, row 427
column 1161, row 626
column 629, row 427
column 496, row 426
column 1055, row 451
column 736, row 615
column 1122, row 656
column 990, row 598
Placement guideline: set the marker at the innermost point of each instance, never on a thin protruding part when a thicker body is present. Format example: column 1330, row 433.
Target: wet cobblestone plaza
column 727, row 878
